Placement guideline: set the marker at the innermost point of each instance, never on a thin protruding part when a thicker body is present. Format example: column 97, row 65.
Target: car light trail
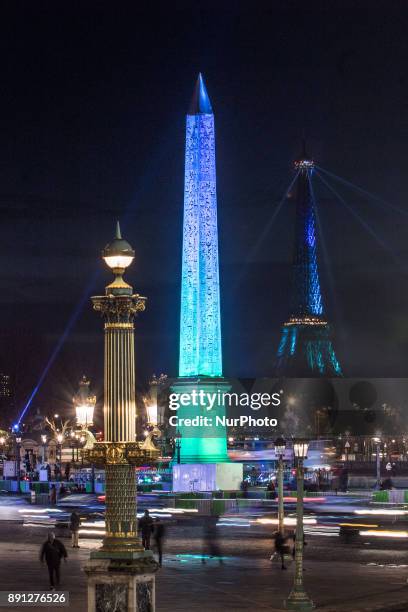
column 288, row 521
column 385, row 534
column 356, row 525
column 311, row 500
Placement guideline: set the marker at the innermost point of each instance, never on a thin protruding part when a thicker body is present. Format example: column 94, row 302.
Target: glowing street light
column 298, row 598
column 118, row 255
column 84, row 404
column 151, row 411
column 18, row 458
column 377, row 441
column 44, row 442
column 60, row 439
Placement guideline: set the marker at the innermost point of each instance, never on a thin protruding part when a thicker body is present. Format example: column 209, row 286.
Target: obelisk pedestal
column 204, row 462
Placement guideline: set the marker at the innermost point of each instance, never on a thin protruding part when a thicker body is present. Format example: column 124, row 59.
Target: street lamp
column 60, row 438
column 280, row 446
column 2, row 443
column 177, row 445
column 347, row 450
column 18, row 458
column 84, row 404
column 122, row 559
column 298, row 598
column 377, row 441
column 44, row 442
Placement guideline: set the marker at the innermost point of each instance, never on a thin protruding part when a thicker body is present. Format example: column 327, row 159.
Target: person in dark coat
column 281, row 547
column 53, row 495
column 53, row 551
column 146, row 527
column 210, row 539
column 74, row 524
column 158, row 534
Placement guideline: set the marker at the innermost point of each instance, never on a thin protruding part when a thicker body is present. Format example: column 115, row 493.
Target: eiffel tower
column 306, row 348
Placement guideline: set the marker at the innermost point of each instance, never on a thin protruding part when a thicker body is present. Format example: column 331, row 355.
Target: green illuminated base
column 205, row 443
column 203, row 450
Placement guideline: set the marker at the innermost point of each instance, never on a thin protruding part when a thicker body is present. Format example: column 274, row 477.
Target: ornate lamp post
column 60, row 439
column 177, row 445
column 377, row 441
column 18, row 459
column 280, row 446
column 298, row 598
column 44, row 442
column 121, row 571
column 72, row 445
column 2, row 444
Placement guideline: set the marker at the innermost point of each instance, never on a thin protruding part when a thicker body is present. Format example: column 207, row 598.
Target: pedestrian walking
column 74, row 525
column 53, row 551
column 210, row 539
column 53, row 495
column 158, row 534
column 281, row 548
column 146, row 527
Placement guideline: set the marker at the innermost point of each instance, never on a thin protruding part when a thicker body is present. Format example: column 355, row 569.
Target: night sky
column 92, row 113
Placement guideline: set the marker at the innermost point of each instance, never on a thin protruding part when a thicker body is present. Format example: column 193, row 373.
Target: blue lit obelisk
column 203, row 450
column 200, row 323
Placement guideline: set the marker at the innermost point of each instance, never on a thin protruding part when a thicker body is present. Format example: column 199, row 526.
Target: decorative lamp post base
column 299, row 600
column 122, row 586
column 121, row 573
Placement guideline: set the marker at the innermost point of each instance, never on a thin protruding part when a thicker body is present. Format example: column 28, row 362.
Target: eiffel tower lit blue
column 306, row 348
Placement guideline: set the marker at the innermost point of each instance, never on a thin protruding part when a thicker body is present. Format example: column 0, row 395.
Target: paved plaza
column 336, row 578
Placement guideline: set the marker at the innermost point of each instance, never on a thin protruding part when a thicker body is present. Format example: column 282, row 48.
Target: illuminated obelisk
column 200, row 320
column 200, row 364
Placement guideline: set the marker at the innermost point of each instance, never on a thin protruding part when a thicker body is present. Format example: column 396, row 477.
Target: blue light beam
column 382, row 203
column 71, row 322
column 268, row 226
column 366, row 226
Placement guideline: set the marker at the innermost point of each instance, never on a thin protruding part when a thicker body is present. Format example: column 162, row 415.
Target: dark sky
column 93, row 98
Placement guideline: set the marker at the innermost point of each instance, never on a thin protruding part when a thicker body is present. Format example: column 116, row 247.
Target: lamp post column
column 18, row 460
column 119, row 419
column 280, row 446
column 378, row 464
column 281, row 510
column 298, row 598
column 44, row 441
column 121, row 571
